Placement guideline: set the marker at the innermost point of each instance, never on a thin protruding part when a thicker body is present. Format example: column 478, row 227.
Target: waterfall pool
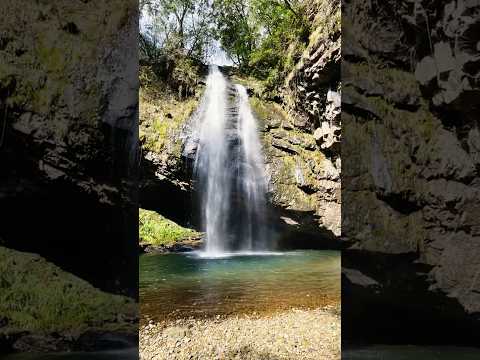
column 174, row 286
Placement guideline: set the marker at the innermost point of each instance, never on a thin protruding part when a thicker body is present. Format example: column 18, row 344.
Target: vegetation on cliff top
column 157, row 230
column 263, row 38
column 37, row 296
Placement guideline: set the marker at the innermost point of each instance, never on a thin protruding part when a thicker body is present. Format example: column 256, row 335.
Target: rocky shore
column 185, row 245
column 291, row 335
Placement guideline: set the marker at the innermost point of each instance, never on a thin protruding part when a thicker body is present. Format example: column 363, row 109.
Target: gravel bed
column 290, row 335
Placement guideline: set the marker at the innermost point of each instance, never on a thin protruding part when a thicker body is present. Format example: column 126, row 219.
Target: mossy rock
column 38, row 297
column 163, row 115
column 158, row 230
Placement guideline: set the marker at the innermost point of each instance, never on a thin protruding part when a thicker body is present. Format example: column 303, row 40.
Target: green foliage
column 157, row 230
column 235, row 30
column 264, row 37
column 39, row 297
column 175, row 28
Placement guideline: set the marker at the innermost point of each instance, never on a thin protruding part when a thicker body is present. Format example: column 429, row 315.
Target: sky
column 219, row 57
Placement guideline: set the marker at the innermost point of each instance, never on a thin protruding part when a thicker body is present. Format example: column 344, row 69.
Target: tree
column 235, row 30
column 177, row 27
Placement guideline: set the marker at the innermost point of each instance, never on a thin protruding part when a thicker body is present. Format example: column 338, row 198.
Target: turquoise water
column 391, row 352
column 184, row 285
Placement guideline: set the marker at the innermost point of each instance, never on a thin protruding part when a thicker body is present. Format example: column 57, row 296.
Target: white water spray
column 211, row 161
column 229, row 170
column 252, row 181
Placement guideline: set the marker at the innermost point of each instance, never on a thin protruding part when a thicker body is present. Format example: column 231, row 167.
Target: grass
column 37, row 296
column 157, row 230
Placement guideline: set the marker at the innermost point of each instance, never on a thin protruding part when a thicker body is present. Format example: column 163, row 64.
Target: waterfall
column 229, row 170
column 251, row 182
column 211, row 162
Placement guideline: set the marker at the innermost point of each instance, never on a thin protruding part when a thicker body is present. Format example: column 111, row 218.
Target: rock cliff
column 69, row 134
column 302, row 135
column 410, row 180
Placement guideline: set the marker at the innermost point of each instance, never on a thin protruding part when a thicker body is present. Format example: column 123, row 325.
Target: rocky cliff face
column 69, row 95
column 166, row 173
column 410, row 150
column 302, row 136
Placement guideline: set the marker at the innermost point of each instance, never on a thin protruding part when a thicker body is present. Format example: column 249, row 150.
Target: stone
column 327, row 135
column 425, row 70
column 412, row 198
column 284, row 146
column 444, row 60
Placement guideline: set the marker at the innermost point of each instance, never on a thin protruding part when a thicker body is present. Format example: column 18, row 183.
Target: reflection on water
column 123, row 354
column 394, row 352
column 181, row 285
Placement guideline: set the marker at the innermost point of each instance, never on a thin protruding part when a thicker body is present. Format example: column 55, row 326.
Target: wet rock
column 303, row 174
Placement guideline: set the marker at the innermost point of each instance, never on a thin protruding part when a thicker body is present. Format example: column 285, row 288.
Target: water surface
column 184, row 285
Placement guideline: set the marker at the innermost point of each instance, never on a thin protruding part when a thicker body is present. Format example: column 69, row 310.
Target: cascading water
column 251, row 182
column 229, row 170
column 211, row 162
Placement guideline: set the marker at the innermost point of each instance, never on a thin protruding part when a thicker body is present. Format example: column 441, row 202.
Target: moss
column 161, row 120
column 50, row 57
column 37, row 296
column 327, row 21
column 268, row 112
column 262, row 112
column 388, row 78
column 157, row 230
column 386, row 230
column 294, row 198
column 162, row 114
column 286, row 170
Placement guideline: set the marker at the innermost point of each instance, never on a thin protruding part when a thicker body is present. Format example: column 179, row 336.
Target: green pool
column 184, row 285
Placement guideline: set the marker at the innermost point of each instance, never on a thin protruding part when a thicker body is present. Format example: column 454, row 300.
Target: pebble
column 291, row 335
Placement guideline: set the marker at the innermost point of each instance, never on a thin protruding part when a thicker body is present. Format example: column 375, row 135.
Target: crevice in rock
column 400, row 202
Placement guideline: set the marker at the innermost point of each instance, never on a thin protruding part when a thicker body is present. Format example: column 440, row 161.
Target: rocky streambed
column 293, row 335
